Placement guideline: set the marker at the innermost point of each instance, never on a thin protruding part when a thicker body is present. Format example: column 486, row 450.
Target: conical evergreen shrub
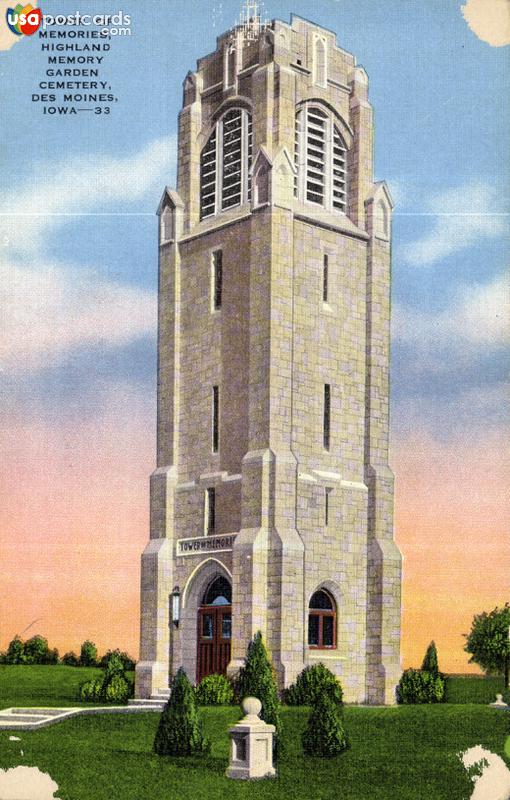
column 257, row 679
column 430, row 662
column 325, row 734
column 179, row 731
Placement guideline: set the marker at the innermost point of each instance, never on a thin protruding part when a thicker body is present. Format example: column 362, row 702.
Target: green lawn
column 404, row 753
column 473, row 688
column 398, row 753
column 40, row 685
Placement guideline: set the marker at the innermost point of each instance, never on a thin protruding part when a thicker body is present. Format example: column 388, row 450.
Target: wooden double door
column 214, row 636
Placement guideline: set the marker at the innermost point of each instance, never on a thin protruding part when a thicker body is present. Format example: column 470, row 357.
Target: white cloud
column 479, row 316
column 49, row 310
column 82, row 185
column 460, row 218
column 26, row 783
column 489, row 20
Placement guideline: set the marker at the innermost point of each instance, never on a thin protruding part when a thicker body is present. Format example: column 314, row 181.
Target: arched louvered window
column 225, row 164
column 320, row 158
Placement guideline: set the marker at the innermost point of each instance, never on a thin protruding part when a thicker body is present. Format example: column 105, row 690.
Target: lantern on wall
column 176, row 605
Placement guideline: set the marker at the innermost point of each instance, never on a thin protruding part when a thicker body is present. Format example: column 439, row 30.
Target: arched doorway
column 214, row 629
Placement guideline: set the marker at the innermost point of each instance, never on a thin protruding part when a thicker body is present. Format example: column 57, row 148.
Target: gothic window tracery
column 320, row 156
column 225, row 163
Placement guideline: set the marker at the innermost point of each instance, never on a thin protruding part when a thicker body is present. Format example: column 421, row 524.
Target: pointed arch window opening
column 218, row 593
column 225, row 162
column 322, row 621
column 320, row 158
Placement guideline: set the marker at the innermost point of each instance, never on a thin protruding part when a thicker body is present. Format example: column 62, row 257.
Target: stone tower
column 272, row 501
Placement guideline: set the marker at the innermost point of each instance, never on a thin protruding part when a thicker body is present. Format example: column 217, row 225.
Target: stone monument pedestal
column 251, row 755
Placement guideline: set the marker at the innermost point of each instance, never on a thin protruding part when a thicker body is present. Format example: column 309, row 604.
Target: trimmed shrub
column 311, row 684
column 257, row 679
column 70, row 659
column 92, row 691
column 113, row 687
column 430, row 662
column 88, row 654
column 325, row 735
column 117, row 690
column 179, row 731
column 215, row 690
column 418, row 686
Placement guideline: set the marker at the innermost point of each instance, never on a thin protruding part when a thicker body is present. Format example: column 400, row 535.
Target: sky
column 78, row 280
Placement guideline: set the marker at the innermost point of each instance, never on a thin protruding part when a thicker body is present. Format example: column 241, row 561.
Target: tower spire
column 250, row 23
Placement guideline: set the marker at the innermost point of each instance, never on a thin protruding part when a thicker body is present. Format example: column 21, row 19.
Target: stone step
column 17, row 717
column 42, row 712
column 148, row 705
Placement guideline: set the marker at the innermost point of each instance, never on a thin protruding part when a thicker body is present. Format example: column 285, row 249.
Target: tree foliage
column 257, row 679
column 488, row 641
column 419, row 686
column 88, row 654
column 15, row 652
column 112, row 687
column 128, row 662
column 179, row 731
column 312, row 682
column 215, row 690
column 430, row 661
column 325, row 734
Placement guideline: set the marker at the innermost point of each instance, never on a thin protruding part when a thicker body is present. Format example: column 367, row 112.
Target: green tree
column 88, row 654
column 430, row 662
column 37, row 650
column 179, row 731
column 70, row 659
column 128, row 662
column 15, row 652
column 488, row 641
column 257, row 679
column 325, row 734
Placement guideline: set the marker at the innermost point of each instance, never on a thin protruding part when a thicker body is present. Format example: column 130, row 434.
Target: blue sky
column 442, row 117
column 78, row 278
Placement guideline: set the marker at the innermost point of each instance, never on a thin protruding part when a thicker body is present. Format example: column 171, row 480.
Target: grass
column 405, row 753
column 39, row 685
column 398, row 753
column 473, row 688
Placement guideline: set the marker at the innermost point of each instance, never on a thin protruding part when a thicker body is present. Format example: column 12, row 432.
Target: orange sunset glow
column 75, row 519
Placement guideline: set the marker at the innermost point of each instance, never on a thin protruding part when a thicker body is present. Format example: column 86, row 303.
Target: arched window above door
column 218, row 593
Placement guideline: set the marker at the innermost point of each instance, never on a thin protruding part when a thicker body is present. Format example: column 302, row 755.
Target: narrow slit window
column 325, row 279
column 327, row 499
column 215, row 418
column 327, row 416
column 210, row 511
column 217, row 279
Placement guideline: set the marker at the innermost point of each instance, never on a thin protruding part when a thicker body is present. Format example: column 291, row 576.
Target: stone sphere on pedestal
column 251, row 706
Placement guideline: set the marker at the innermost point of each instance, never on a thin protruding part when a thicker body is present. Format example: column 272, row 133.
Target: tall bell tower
column 272, row 501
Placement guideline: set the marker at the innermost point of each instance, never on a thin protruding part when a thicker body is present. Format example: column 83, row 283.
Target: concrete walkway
column 29, row 719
